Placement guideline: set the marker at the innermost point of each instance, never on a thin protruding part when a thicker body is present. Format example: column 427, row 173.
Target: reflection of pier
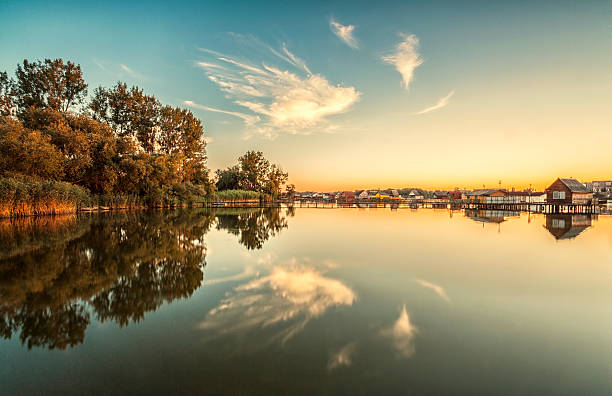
column 567, row 226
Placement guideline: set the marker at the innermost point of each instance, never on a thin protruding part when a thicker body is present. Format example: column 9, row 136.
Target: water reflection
column 567, row 226
column 439, row 290
column 490, row 216
column 59, row 273
column 254, row 226
column 402, row 334
column 343, row 357
column 285, row 300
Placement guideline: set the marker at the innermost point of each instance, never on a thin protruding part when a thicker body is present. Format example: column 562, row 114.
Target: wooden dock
column 533, row 207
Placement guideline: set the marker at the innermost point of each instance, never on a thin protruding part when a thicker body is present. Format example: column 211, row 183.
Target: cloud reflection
column 343, row 357
column 439, row 290
column 287, row 298
column 402, row 334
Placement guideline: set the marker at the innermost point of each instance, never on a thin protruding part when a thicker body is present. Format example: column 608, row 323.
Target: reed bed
column 29, row 197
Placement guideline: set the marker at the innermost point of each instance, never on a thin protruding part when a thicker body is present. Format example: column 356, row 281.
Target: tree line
column 118, row 142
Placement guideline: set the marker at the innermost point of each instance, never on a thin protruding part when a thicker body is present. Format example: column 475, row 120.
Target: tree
column 6, row 101
column 50, row 84
column 254, row 168
column 275, row 180
column 290, row 190
column 28, row 152
column 228, row 179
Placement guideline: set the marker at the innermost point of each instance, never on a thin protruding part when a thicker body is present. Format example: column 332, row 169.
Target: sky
column 347, row 95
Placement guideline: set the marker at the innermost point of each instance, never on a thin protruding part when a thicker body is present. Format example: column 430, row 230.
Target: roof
column 574, row 185
column 484, row 192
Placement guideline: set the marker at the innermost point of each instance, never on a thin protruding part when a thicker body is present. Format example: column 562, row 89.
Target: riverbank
column 23, row 197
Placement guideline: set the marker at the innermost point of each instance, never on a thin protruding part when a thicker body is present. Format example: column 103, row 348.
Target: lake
column 306, row 301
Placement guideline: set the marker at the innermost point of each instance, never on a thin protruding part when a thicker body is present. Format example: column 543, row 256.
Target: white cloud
column 406, row 58
column 441, row 103
column 402, row 334
column 439, row 290
column 279, row 100
column 344, row 33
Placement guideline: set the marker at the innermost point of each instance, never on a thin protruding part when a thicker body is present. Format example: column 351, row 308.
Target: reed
column 238, row 195
column 30, row 197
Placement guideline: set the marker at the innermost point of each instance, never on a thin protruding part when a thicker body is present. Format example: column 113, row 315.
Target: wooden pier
column 533, row 207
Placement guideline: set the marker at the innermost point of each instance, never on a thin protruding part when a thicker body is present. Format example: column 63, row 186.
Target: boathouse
column 568, row 191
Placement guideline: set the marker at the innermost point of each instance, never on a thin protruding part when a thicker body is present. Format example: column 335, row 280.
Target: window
column 561, row 194
column 555, row 194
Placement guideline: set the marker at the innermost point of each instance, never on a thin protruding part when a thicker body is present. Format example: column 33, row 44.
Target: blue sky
column 500, row 82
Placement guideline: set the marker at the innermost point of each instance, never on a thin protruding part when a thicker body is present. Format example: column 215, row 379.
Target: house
column 487, row 196
column 347, row 195
column 372, row 194
column 362, row 194
column 567, row 226
column 536, row 197
column 454, row 194
column 441, row 195
column 416, row 195
column 568, row 191
column 381, row 195
column 601, row 186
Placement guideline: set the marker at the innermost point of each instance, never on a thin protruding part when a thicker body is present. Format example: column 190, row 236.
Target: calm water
column 307, row 301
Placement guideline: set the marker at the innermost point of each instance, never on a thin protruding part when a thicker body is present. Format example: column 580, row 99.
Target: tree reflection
column 254, row 226
column 57, row 273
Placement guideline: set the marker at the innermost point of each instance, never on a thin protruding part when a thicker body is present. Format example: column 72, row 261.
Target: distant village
column 563, row 191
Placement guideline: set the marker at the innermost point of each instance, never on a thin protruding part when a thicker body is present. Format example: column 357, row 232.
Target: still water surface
column 306, row 301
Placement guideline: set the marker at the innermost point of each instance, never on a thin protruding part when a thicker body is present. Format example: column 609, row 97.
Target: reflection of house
column 491, row 216
column 567, row 226
column 568, row 191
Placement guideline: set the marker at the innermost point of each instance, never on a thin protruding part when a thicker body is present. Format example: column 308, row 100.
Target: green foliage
column 253, row 173
column 6, row 100
column 50, row 84
column 129, row 146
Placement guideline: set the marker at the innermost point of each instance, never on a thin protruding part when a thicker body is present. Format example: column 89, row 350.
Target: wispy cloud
column 99, row 64
column 441, row 103
column 344, row 33
column 439, row 290
column 131, row 72
column 406, row 58
column 279, row 99
column 248, row 119
column 402, row 334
